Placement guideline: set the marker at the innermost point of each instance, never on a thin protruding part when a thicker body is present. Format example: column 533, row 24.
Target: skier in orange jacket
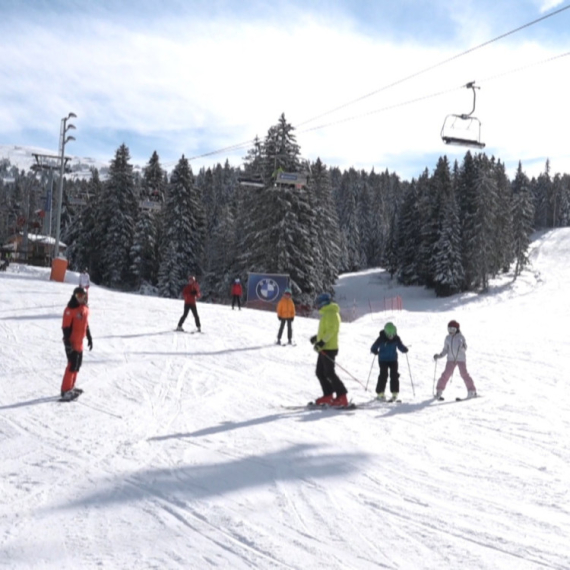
column 286, row 314
column 75, row 328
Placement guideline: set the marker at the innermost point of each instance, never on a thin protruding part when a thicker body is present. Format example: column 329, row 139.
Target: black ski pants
column 187, row 308
column 236, row 299
column 383, row 377
column 330, row 382
column 289, row 329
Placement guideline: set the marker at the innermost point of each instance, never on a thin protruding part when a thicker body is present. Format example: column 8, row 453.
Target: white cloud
column 546, row 5
column 206, row 85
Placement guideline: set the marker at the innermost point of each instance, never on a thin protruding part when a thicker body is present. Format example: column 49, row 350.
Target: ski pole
column 411, row 380
column 344, row 369
column 369, row 374
column 434, row 371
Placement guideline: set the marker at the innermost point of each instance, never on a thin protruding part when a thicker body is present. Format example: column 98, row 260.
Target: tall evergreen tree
column 144, row 267
column 153, row 183
column 485, row 221
column 523, row 219
column 118, row 214
column 327, row 247
column 183, row 231
column 446, row 254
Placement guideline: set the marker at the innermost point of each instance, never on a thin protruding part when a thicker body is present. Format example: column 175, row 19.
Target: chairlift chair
column 295, row 179
column 253, row 181
column 464, row 129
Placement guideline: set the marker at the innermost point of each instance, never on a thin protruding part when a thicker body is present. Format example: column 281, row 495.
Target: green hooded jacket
column 329, row 326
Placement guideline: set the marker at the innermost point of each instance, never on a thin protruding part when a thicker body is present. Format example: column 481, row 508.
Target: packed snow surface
column 183, row 453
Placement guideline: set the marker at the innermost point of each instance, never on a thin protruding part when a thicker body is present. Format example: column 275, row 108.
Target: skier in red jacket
column 75, row 328
column 191, row 292
column 237, row 291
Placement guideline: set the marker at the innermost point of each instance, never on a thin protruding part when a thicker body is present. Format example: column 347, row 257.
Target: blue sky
column 197, row 76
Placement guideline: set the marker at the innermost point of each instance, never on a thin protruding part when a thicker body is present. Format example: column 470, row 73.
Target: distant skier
column 191, row 292
column 325, row 342
column 286, row 314
column 454, row 346
column 237, row 291
column 84, row 281
column 386, row 347
column 75, row 328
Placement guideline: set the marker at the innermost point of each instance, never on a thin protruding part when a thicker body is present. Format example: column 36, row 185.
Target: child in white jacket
column 455, row 347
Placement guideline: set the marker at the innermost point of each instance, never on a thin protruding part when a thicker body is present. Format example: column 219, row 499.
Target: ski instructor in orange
column 75, row 328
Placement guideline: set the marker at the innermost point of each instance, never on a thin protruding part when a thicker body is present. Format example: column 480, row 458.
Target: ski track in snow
column 180, row 454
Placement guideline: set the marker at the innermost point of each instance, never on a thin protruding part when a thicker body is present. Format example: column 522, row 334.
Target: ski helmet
column 191, row 279
column 237, row 280
column 322, row 300
column 390, row 330
column 453, row 327
column 287, row 291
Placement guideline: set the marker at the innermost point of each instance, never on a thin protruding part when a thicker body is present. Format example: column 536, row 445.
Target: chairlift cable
column 418, row 73
column 381, row 110
column 523, row 67
column 245, row 144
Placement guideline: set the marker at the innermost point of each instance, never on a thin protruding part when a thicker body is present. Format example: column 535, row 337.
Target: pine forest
column 451, row 229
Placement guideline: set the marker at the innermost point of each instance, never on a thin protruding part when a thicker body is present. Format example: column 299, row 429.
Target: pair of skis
column 71, row 395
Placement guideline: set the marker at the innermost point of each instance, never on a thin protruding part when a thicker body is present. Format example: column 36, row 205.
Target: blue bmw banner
column 265, row 288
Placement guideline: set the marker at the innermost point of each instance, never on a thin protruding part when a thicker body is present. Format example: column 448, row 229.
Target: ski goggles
column 451, row 330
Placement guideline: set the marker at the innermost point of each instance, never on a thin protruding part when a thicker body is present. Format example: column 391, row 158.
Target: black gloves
column 373, row 351
column 313, row 339
column 90, row 343
column 67, row 346
column 319, row 345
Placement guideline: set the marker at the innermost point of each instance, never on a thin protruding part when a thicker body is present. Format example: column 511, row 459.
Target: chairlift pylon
column 464, row 129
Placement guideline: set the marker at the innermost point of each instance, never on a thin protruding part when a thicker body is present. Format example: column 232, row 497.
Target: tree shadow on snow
column 30, row 402
column 177, row 486
column 32, row 317
column 231, row 426
column 185, row 351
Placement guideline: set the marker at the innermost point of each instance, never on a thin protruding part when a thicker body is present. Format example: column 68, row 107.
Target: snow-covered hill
column 22, row 158
column 182, row 454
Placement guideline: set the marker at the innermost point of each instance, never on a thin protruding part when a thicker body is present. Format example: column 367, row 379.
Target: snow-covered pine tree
column 446, row 254
column 182, row 232
column 523, row 219
column 541, row 189
column 564, row 200
column 84, row 237
column 468, row 201
column 326, row 243
column 410, row 238
column 118, row 213
column 153, row 182
column 144, row 266
column 280, row 150
column 347, row 210
column 485, row 221
column 367, row 219
column 428, row 223
column 503, row 235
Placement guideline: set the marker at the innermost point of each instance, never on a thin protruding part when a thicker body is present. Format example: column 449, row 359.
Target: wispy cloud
column 201, row 76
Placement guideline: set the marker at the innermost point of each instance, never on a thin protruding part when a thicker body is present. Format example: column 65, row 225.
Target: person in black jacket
column 386, row 347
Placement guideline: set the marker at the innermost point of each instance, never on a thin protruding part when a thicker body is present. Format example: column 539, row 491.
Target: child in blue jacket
column 386, row 347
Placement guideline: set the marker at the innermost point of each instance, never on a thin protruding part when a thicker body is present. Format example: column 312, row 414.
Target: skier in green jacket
column 325, row 342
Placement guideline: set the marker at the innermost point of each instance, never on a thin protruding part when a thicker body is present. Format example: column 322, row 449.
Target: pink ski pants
column 449, row 368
